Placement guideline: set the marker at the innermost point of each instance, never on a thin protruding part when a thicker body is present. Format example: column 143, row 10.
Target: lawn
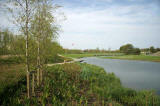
column 78, row 55
column 91, row 55
column 135, row 57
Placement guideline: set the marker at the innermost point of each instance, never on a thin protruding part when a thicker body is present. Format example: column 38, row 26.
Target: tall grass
column 108, row 87
column 83, row 84
column 12, row 78
column 12, row 60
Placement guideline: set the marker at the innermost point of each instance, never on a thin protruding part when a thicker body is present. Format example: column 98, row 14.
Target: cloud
column 107, row 23
column 111, row 27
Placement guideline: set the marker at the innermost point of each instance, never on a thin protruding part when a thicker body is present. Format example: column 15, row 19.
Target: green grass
column 108, row 86
column 136, row 57
column 78, row 55
column 11, row 81
column 21, row 59
column 84, row 84
column 12, row 60
column 10, row 74
column 57, row 59
column 90, row 55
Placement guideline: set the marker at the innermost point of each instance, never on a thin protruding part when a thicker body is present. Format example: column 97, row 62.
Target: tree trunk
column 38, row 62
column 41, row 76
column 27, row 62
column 38, row 76
column 33, row 93
column 28, row 85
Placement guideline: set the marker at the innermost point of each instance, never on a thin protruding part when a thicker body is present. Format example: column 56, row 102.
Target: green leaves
column 129, row 49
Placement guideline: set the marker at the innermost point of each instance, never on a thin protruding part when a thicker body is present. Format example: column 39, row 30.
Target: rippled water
column 133, row 74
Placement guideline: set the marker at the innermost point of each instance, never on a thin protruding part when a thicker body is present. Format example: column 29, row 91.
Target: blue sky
column 110, row 23
column 107, row 23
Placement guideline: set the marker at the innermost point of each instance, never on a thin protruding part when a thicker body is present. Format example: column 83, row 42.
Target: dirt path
column 74, row 60
column 60, row 63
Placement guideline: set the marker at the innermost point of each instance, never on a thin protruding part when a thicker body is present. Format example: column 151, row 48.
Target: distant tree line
column 126, row 49
column 12, row 44
column 130, row 49
column 6, row 38
column 78, row 51
column 154, row 50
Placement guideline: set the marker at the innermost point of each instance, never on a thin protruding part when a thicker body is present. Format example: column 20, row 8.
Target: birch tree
column 44, row 29
column 22, row 12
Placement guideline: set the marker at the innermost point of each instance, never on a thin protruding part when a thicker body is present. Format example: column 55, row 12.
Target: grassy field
column 11, row 78
column 136, row 57
column 79, row 84
column 10, row 74
column 78, row 55
column 91, row 55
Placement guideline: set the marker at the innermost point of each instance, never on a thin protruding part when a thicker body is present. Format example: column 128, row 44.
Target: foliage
column 51, row 55
column 54, row 59
column 136, row 51
column 129, row 49
column 152, row 49
column 18, row 45
column 72, row 51
column 36, row 23
column 89, row 51
column 6, row 38
column 12, row 60
column 44, row 31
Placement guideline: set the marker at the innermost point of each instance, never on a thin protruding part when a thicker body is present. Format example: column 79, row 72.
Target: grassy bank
column 78, row 55
column 77, row 84
column 91, row 55
column 11, row 79
column 10, row 74
column 136, row 57
column 13, row 75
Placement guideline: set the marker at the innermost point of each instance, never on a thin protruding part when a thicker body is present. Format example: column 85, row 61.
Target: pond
column 133, row 74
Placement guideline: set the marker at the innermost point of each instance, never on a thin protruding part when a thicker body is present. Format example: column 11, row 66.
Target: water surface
column 133, row 74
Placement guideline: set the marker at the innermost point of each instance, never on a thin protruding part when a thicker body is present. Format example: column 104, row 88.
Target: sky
column 106, row 24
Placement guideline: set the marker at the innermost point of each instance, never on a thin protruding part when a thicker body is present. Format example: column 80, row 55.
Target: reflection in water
column 133, row 74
